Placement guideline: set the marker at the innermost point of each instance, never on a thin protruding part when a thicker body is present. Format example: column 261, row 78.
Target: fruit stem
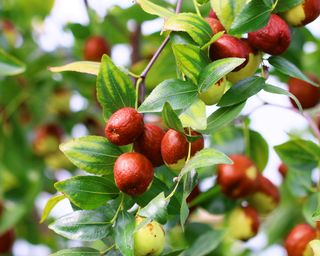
column 196, row 7
column 108, row 249
column 138, row 83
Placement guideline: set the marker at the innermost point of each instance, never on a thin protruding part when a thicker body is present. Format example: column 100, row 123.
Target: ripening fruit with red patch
column 214, row 93
column 149, row 240
column 243, row 223
column 298, row 239
column 124, row 126
column 149, row 143
column 239, row 179
column 266, row 196
column 174, row 148
column 283, row 170
column 229, row 46
column 212, row 14
column 253, row 62
column 95, row 47
column 274, row 38
column 215, row 25
column 133, row 173
column 303, row 14
column 307, row 94
column 47, row 139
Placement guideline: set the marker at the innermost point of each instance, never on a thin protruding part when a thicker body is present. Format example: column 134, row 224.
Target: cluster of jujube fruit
column 273, row 39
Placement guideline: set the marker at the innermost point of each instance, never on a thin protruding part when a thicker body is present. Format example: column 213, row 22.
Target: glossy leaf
column 194, row 25
column 195, row 116
column 171, row 119
column 259, row 150
column 87, row 67
column 114, row 88
column 51, row 203
column 9, row 65
column 241, row 91
column 179, row 94
column 216, row 71
column 154, row 9
column 93, row 154
column 284, row 5
column 81, row 251
column 156, row 209
column 88, row 192
column 288, row 68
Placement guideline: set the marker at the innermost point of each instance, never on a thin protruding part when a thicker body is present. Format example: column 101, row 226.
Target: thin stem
column 195, row 4
column 118, row 210
column 138, row 83
column 108, row 249
column 86, row 4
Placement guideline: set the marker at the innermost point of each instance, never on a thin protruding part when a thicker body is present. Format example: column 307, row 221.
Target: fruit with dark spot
column 303, row 13
column 149, row 240
column 307, row 94
column 95, row 47
column 243, row 223
column 298, row 239
column 239, row 179
column 174, row 148
column 215, row 25
column 7, row 238
column 274, row 38
column 149, row 143
column 124, row 126
column 133, row 173
column 214, row 93
column 266, row 197
column 47, row 139
column 229, row 46
column 283, row 170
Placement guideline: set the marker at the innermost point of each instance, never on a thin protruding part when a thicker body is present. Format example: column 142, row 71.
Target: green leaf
column 114, row 88
column 288, row 68
column 299, row 154
column 84, row 225
column 50, row 205
column 227, row 10
column 284, row 5
column 310, row 206
column 197, row 27
column 217, row 70
column 222, row 117
column 156, row 209
column 190, row 60
column 179, row 94
column 277, row 90
column 81, row 251
column 184, row 212
column 298, row 182
column 204, row 158
column 154, row 9
column 124, row 228
column 94, row 154
column 259, row 150
column 87, row 67
column 88, row 192
column 171, row 119
column 195, row 116
column 253, row 16
column 241, row 91
column 205, row 244
column 213, row 39
column 9, row 65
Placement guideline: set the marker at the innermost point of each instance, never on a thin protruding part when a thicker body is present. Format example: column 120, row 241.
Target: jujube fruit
column 243, row 223
column 239, row 179
column 307, row 94
column 283, row 170
column 6, row 241
column 303, row 13
column 215, row 25
column 174, row 148
column 274, row 38
column 149, row 240
column 95, row 47
column 298, row 239
column 124, row 126
column 149, row 143
column 214, row 93
column 133, row 173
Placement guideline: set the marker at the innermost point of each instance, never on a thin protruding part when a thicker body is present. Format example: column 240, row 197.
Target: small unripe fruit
column 307, row 94
column 59, row 103
column 298, row 239
column 303, row 13
column 95, row 47
column 239, row 179
column 254, row 60
column 243, row 223
column 266, row 197
column 215, row 25
column 149, row 240
column 214, row 93
column 229, row 46
column 47, row 139
column 133, row 173
column 283, row 170
column 275, row 38
column 149, row 143
column 174, row 148
column 124, row 126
